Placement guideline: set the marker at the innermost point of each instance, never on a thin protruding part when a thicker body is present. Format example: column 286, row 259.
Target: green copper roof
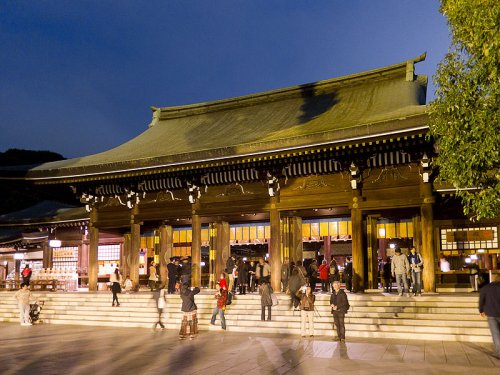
column 388, row 100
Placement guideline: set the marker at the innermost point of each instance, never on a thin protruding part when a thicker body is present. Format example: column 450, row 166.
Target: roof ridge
column 163, row 113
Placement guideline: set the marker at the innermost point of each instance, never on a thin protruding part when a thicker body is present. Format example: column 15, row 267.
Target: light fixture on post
column 354, row 176
column 426, row 169
column 194, row 193
column 273, row 185
column 54, row 242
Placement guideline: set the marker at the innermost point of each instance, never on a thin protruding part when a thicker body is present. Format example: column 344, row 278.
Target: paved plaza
column 58, row 349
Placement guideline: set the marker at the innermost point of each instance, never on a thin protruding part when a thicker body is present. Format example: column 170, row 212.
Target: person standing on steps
column 307, row 299
column 400, row 269
column 324, row 276
column 26, row 274
column 221, row 297
column 189, row 325
column 153, row 277
column 116, row 281
column 339, row 304
column 265, row 300
column 172, row 275
column 387, row 275
column 416, row 263
column 348, row 274
column 230, row 264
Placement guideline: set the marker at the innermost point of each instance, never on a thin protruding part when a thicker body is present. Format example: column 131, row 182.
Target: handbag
column 274, row 299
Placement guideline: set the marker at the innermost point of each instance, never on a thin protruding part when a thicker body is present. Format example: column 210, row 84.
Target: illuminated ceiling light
column 392, row 246
column 480, row 250
column 468, row 260
column 202, row 264
column 381, row 232
column 473, row 257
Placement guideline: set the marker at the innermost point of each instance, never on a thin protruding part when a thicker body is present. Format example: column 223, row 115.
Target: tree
column 464, row 118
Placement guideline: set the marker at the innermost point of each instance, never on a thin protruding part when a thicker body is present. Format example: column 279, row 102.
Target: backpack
column 333, row 270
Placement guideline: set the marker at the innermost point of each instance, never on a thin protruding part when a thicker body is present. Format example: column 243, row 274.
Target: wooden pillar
column 358, row 254
column 327, row 248
column 196, row 251
column 292, row 238
column 127, row 246
column 219, row 249
column 427, row 229
column 372, row 247
column 135, row 245
column 93, row 249
column 166, row 243
column 47, row 255
column 275, row 246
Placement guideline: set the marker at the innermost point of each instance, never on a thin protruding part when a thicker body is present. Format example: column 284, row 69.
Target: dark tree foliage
column 16, row 194
column 464, row 118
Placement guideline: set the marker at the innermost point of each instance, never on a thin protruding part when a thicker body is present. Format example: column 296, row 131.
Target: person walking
column 221, row 297
column 189, row 324
column 294, row 285
column 400, row 269
column 26, row 274
column 489, row 307
column 348, row 274
column 265, row 300
column 307, row 299
column 160, row 297
column 23, row 297
column 116, row 281
column 473, row 275
column 172, row 276
column 324, row 275
column 339, row 304
column 153, row 277
column 416, row 263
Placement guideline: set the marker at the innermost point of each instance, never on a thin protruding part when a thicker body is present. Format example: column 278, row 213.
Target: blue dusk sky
column 78, row 77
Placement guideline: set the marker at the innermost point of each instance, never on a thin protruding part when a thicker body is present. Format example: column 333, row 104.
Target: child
column 23, row 297
column 128, row 285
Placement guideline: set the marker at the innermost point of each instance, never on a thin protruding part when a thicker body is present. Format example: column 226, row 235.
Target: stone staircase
column 433, row 317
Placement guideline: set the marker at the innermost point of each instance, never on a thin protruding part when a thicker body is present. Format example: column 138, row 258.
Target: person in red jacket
column 324, row 273
column 221, row 297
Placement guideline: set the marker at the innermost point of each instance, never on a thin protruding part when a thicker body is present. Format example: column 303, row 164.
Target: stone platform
column 439, row 317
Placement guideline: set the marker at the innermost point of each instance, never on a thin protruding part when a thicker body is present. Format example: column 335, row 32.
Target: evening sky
column 78, row 77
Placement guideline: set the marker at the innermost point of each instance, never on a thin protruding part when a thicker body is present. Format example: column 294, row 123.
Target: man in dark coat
column 242, row 276
column 339, row 304
column 172, row 276
column 489, row 307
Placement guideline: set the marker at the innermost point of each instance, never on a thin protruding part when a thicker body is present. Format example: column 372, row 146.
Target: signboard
column 469, row 235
